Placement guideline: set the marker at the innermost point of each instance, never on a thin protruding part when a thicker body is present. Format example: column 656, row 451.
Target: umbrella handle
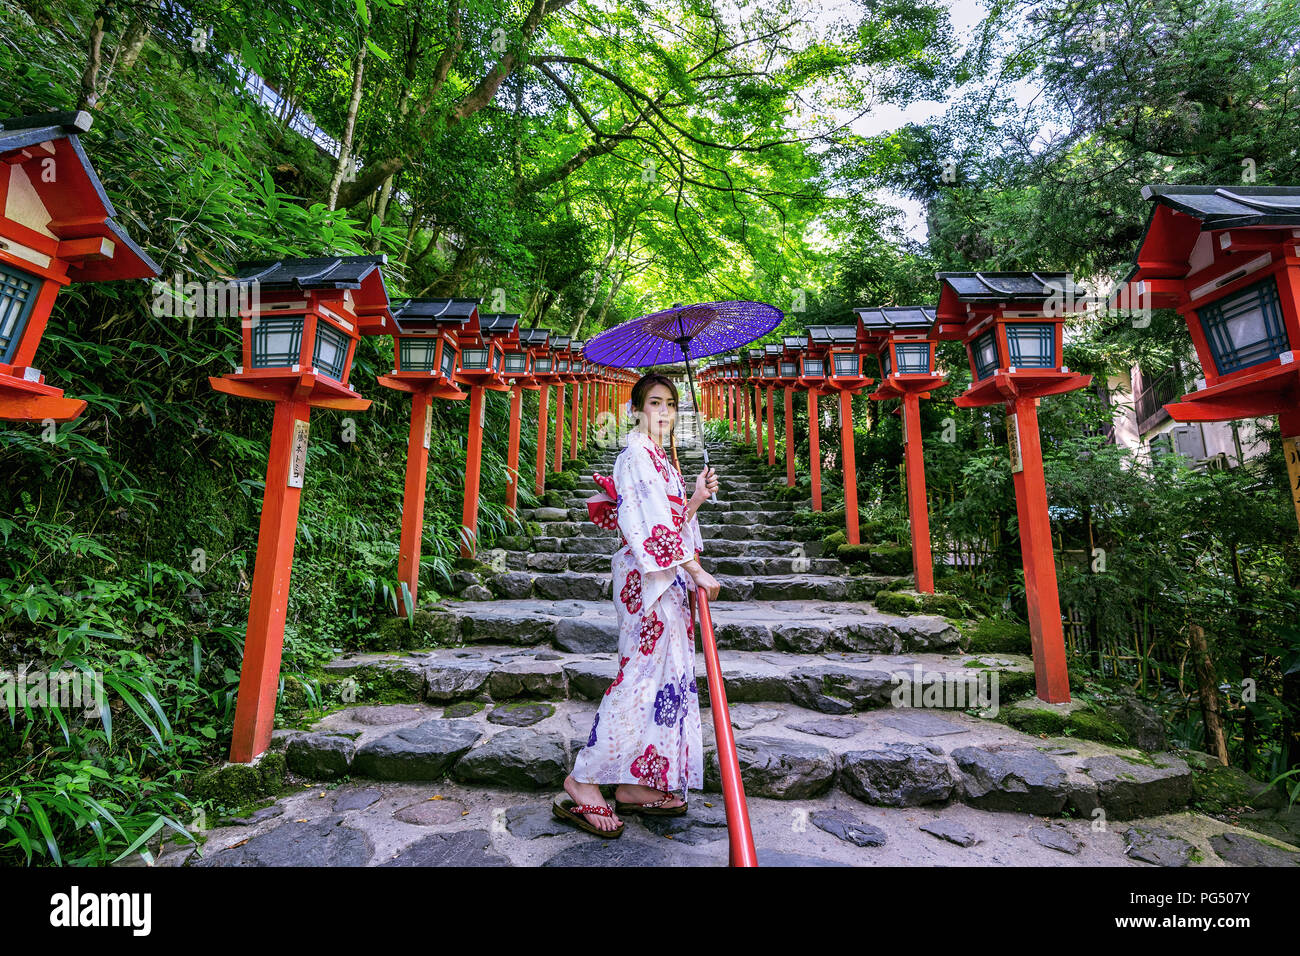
column 699, row 420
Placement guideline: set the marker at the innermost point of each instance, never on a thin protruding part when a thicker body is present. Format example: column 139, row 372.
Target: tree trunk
column 1208, row 691
column 597, row 278
column 94, row 60
column 609, row 299
column 132, row 42
column 403, row 107
column 449, row 283
column 345, row 148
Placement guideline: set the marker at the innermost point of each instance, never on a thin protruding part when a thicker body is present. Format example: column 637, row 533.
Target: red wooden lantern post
column 1011, row 323
column 577, row 375
column 906, row 356
column 753, row 365
column 424, row 365
column 838, row 345
column 1227, row 258
column 56, row 228
column 587, row 388
column 562, row 376
column 729, row 384
column 788, row 378
column 812, row 378
column 771, row 357
column 518, row 367
column 737, row 390
column 482, row 348
column 742, row 394
column 544, row 375
column 299, row 340
column 733, row 373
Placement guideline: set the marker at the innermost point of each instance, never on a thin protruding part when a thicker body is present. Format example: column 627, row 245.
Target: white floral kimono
column 647, row 729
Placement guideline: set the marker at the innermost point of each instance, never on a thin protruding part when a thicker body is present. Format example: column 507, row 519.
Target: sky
column 965, row 15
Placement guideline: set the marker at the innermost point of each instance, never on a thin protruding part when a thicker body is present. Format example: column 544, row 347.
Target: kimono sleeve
column 644, row 516
column 692, row 537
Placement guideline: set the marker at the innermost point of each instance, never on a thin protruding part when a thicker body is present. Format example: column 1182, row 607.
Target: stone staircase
column 862, row 723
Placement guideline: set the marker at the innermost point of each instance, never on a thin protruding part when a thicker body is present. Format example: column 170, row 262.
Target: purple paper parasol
column 689, row 331
column 683, row 332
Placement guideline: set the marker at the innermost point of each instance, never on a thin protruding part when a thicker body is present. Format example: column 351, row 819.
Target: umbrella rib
column 622, row 352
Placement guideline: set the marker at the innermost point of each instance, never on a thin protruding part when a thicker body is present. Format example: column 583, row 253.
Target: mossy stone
column 563, row 480
column 1032, row 720
column 1098, row 727
column 1219, row 789
column 947, row 605
column 832, row 541
column 425, row 629
column 238, row 784
column 893, row 602
column 1015, row 684
column 995, row 636
column 854, row 552
column 891, row 558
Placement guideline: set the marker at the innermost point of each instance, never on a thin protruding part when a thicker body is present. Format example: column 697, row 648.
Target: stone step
column 739, row 526
column 794, row 626
column 453, row 824
column 748, row 492
column 891, row 757
column 829, row 683
column 737, row 503
column 598, row 586
column 748, row 565
column 606, row 544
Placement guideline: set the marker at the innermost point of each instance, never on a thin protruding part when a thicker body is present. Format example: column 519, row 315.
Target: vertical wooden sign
column 428, row 425
column 298, row 453
column 1013, row 443
column 1291, row 452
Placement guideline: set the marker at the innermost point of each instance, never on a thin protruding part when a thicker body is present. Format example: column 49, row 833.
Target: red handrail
column 733, row 789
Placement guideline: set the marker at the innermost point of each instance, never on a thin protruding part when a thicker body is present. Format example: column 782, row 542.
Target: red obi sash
column 602, row 507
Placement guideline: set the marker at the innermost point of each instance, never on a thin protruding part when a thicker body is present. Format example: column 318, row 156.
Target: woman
column 646, row 735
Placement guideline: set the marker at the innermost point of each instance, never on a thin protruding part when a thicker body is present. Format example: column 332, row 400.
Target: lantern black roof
column 773, row 349
column 18, row 133
column 322, row 272
column 1006, row 286
column 1224, row 207
column 426, row 315
column 533, row 338
column 498, row 323
column 21, row 131
column 793, row 342
column 832, row 334
column 754, row 353
column 895, row 318
column 561, row 341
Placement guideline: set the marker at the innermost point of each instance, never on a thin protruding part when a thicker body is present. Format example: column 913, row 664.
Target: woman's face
column 660, row 411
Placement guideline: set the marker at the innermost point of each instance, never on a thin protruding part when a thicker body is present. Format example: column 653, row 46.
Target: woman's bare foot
column 635, row 793
column 589, row 793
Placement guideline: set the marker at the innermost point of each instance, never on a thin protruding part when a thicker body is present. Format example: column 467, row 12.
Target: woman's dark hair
column 637, row 401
